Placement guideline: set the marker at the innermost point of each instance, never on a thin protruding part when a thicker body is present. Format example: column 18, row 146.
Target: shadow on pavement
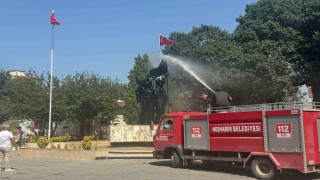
column 298, row 175
column 241, row 171
column 211, row 168
column 160, row 163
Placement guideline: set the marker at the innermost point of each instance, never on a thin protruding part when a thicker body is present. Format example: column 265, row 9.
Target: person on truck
column 221, row 99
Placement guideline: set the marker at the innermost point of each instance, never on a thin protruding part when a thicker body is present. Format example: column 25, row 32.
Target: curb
column 129, row 158
column 114, row 152
column 129, row 155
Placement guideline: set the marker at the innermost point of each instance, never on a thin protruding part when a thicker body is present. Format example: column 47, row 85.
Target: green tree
column 90, row 97
column 82, row 97
column 250, row 77
column 140, row 71
column 28, row 95
column 28, row 98
column 291, row 28
column 5, row 104
column 210, row 51
column 4, row 77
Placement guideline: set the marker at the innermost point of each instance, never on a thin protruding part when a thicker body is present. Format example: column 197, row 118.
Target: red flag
column 164, row 40
column 53, row 19
column 34, row 127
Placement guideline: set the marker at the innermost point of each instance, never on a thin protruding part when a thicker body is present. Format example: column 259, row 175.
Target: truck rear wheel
column 175, row 160
column 263, row 168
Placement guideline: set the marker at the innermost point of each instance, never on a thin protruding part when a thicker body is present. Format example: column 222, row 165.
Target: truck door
column 166, row 134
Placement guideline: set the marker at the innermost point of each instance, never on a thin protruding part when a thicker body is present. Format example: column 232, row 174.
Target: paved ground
column 40, row 168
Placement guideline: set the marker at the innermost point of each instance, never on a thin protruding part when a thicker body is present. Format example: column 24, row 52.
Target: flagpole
column 167, row 78
column 168, row 93
column 160, row 43
column 50, row 105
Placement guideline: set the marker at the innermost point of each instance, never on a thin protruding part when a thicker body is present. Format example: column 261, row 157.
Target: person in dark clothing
column 221, row 99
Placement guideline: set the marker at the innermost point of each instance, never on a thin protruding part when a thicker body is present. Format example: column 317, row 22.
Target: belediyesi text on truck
column 269, row 138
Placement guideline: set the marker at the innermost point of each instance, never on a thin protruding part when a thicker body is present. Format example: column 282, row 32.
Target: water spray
column 187, row 68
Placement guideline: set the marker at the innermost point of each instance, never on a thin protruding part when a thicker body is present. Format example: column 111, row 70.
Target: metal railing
column 267, row 107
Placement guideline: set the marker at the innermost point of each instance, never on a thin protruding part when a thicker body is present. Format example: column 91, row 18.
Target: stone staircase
column 130, row 153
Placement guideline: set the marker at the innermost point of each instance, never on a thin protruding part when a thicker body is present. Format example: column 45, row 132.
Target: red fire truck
column 269, row 137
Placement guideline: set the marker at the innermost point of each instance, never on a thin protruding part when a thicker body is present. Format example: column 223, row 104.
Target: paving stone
column 141, row 169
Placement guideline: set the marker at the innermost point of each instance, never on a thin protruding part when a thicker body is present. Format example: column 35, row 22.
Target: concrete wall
column 71, row 145
column 131, row 133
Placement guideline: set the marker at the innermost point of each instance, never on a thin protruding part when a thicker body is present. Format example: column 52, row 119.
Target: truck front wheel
column 175, row 160
column 263, row 168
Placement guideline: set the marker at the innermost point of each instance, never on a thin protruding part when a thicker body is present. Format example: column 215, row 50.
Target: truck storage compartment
column 196, row 135
column 284, row 134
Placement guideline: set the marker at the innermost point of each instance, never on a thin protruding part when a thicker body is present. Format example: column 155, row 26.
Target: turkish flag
column 53, row 19
column 35, row 126
column 164, row 40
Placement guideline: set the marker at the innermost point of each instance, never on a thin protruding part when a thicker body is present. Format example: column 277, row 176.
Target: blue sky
column 100, row 36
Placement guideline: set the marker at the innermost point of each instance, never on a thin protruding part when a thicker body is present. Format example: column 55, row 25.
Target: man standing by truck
column 221, row 99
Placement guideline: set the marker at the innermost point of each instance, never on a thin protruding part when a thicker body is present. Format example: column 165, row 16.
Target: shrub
column 86, row 142
column 95, row 146
column 55, row 139
column 33, row 139
column 42, row 142
column 105, row 137
column 90, row 137
column 65, row 138
column 66, row 146
column 59, row 146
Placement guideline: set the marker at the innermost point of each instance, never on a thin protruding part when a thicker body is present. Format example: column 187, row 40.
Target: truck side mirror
column 151, row 125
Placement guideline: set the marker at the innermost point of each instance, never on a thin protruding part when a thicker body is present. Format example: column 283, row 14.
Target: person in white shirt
column 6, row 141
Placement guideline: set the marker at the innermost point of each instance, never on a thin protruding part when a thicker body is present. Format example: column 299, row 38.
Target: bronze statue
column 153, row 99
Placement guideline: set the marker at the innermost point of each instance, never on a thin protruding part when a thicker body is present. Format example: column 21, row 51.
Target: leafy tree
column 90, row 97
column 82, row 97
column 28, row 95
column 208, row 50
column 291, row 28
column 5, row 109
column 4, row 77
column 5, row 105
column 140, row 71
column 250, row 77
column 28, row 98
